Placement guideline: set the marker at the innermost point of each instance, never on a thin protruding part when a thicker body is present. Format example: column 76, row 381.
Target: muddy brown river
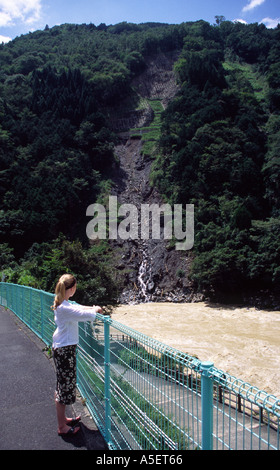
column 244, row 342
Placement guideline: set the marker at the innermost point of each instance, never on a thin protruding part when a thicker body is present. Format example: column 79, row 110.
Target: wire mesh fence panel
column 245, row 418
column 146, row 395
column 153, row 406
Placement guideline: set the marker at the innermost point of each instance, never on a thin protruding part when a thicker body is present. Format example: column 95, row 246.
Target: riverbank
column 245, row 342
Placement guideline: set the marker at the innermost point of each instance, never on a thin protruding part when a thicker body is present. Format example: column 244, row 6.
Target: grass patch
column 242, row 73
column 150, row 134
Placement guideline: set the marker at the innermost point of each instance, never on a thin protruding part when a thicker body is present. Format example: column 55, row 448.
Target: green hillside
column 215, row 145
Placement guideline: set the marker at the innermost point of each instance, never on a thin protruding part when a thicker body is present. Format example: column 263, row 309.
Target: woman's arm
column 76, row 312
column 96, row 308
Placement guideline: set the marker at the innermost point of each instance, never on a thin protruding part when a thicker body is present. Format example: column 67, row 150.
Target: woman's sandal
column 74, row 421
column 69, row 433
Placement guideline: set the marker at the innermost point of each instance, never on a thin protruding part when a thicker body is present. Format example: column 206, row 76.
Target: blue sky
column 22, row 16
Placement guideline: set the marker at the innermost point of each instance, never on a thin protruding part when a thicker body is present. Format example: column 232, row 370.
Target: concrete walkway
column 27, row 383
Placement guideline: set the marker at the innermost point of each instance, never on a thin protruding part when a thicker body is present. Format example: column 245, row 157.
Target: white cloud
column 239, row 20
column 252, row 4
column 4, row 39
column 26, row 11
column 270, row 22
column 5, row 19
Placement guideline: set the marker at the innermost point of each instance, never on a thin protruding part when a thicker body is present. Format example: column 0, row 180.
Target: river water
column 244, row 342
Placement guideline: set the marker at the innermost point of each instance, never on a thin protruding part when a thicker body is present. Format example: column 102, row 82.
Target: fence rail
column 146, row 395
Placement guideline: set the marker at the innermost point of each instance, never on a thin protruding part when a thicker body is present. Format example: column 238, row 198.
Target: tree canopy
column 218, row 147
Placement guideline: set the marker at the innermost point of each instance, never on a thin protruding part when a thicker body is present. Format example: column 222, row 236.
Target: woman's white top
column 66, row 317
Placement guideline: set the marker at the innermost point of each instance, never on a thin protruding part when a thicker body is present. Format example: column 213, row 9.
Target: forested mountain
column 217, row 146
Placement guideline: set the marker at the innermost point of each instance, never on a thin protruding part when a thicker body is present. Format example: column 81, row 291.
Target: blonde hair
column 66, row 281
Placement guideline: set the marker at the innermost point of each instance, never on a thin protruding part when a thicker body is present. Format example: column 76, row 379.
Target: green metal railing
column 145, row 395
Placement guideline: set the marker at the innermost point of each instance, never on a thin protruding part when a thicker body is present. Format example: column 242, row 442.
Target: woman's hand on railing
column 98, row 309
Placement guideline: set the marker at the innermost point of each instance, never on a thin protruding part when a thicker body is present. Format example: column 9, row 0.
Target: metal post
column 42, row 315
column 30, row 306
column 206, row 406
column 107, row 391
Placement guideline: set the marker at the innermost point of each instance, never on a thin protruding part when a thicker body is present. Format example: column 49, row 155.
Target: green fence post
column 42, row 315
column 30, row 307
column 206, row 406
column 107, row 384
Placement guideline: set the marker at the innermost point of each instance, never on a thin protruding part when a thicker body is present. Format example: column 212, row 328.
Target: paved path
column 27, row 383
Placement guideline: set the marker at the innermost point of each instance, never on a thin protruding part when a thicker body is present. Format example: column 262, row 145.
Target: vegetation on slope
column 218, row 148
column 218, row 151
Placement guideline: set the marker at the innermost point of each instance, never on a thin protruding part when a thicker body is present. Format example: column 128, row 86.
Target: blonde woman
column 65, row 340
